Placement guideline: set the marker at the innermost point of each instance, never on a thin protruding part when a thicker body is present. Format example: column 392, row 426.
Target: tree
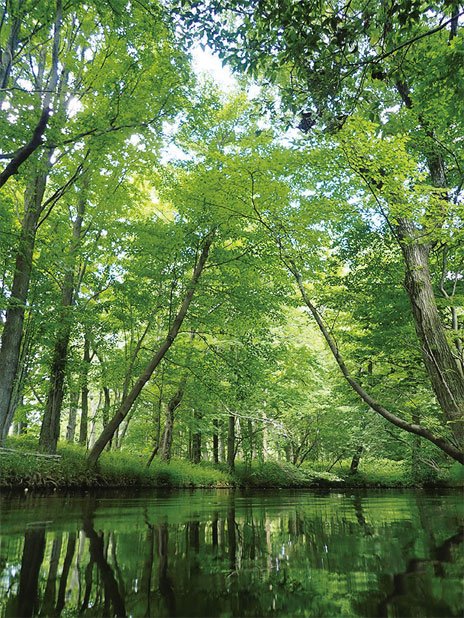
column 368, row 57
column 83, row 108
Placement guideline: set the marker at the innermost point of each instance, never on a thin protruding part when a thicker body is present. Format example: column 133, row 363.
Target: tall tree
column 334, row 60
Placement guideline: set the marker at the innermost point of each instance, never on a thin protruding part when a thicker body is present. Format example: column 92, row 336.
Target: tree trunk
column 36, row 140
column 130, row 399
column 13, row 327
column 9, row 53
column 123, row 429
column 73, row 403
column 106, row 406
column 447, row 383
column 443, row 444
column 85, row 393
column 216, row 441
column 196, row 441
column 356, row 459
column 50, row 430
column 231, row 443
column 174, row 403
column 23, row 368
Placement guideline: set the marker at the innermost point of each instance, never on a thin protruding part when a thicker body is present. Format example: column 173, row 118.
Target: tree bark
column 50, row 429
column 442, row 443
column 23, row 153
column 73, row 403
column 83, row 429
column 13, row 327
column 231, row 443
column 196, row 441
column 446, row 380
column 6, row 60
column 216, row 441
column 174, row 403
column 129, row 400
column 356, row 459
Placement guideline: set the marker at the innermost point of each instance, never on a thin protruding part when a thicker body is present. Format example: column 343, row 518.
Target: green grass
column 22, row 469
column 378, row 472
column 280, row 474
column 115, row 469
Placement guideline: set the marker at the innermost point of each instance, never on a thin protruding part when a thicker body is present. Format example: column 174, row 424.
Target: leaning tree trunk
column 442, row 443
column 446, row 380
column 131, row 397
column 13, row 327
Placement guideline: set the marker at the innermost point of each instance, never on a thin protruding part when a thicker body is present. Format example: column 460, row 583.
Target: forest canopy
column 272, row 272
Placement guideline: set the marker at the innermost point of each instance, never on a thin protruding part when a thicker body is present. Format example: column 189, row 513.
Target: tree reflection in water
column 217, row 554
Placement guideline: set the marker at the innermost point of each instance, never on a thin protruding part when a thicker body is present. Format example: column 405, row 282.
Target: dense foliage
column 162, row 242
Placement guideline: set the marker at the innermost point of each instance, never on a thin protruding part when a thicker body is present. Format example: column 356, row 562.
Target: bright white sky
column 205, row 62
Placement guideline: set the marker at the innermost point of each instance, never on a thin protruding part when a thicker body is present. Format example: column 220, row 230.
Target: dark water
column 219, row 553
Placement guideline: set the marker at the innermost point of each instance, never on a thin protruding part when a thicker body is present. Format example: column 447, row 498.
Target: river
column 224, row 553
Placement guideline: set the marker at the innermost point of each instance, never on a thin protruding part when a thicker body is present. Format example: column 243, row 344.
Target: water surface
column 222, row 553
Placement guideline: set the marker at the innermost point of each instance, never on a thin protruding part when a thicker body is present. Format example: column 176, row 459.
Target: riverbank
column 22, row 468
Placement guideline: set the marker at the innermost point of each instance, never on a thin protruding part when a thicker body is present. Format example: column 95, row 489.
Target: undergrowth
column 23, row 469
column 114, row 469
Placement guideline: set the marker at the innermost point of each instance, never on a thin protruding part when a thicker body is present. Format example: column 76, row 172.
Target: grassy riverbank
column 21, row 468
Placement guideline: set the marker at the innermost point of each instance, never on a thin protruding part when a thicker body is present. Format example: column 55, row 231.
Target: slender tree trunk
column 216, row 441
column 196, row 441
column 356, row 459
column 123, row 429
column 13, row 327
column 73, row 404
column 442, row 366
column 6, row 59
column 50, row 430
column 231, row 443
column 85, row 393
column 36, row 140
column 250, row 439
column 174, row 403
column 446, row 380
column 23, row 368
column 106, row 406
column 130, row 399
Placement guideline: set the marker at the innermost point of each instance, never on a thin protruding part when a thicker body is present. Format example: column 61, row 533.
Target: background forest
column 272, row 272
